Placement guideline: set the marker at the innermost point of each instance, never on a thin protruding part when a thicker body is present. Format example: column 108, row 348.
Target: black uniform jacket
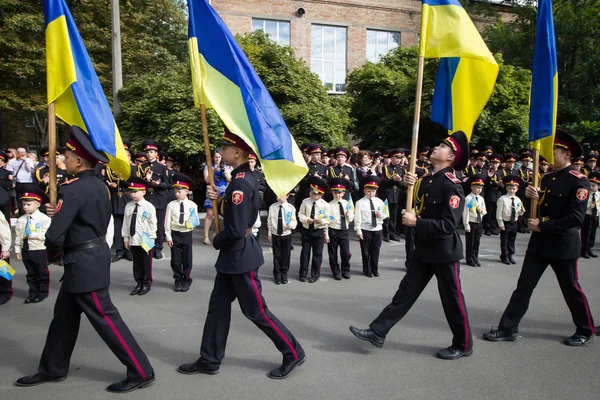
column 390, row 189
column 239, row 252
column 439, row 202
column 157, row 195
column 83, row 214
column 563, row 203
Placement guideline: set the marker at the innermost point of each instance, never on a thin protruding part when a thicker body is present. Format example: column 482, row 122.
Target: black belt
column 90, row 244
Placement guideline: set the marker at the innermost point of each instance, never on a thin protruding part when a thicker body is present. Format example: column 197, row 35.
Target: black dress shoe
column 37, row 379
column 337, row 277
column 368, row 335
column 312, row 279
column 286, row 368
column 38, row 298
column 196, row 368
column 369, row 275
column 453, row 353
column 585, row 256
column 471, row 264
column 592, row 254
column 285, row 281
column 478, row 263
column 376, row 274
column 145, row 289
column 128, row 256
column 129, row 385
column 504, row 260
column 512, row 260
column 178, row 286
column 487, row 233
column 578, row 340
column 302, row 279
column 136, row 290
column 185, row 286
column 4, row 299
column 29, row 299
column 277, row 282
column 394, row 238
column 157, row 254
column 499, row 335
column 345, row 275
column 386, row 239
column 116, row 258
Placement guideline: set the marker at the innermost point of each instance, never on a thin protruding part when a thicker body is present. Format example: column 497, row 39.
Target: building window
column 278, row 30
column 379, row 43
column 328, row 56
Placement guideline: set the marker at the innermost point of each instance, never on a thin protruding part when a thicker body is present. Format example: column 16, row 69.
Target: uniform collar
column 245, row 167
column 87, row 172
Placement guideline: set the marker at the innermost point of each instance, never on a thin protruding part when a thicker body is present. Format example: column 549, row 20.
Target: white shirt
column 594, row 199
column 5, row 234
column 470, row 214
column 289, row 212
column 172, row 216
column 39, row 224
column 362, row 217
column 24, row 176
column 504, row 205
column 321, row 210
column 334, row 211
column 145, row 222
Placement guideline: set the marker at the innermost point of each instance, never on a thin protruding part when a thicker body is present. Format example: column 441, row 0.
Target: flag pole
column 211, row 176
column 415, row 132
column 52, row 153
column 535, row 183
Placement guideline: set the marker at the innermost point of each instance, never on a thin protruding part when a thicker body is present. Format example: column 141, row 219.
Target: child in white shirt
column 368, row 224
column 509, row 209
column 341, row 215
column 472, row 216
column 281, row 221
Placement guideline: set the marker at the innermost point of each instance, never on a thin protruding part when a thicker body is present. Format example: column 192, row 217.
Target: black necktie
column 280, row 221
column 373, row 216
column 312, row 216
column 133, row 220
column 478, row 213
column 513, row 211
column 343, row 217
column 181, row 211
column 595, row 209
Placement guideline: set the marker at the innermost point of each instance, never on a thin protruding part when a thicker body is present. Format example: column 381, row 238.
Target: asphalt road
column 169, row 325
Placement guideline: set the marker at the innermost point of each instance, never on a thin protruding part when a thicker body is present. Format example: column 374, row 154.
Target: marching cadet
column 240, row 256
column 368, row 225
column 555, row 241
column 281, row 221
column 5, row 244
column 439, row 202
column 509, row 209
column 343, row 170
column 139, row 218
column 315, row 169
column 493, row 191
column 157, row 181
column 180, row 218
column 312, row 215
column 590, row 164
column 30, row 234
column 42, row 174
column 79, row 222
column 590, row 221
column 390, row 190
column 341, row 216
column 472, row 217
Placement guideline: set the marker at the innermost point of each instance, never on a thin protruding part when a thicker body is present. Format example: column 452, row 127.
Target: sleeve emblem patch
column 454, row 201
column 237, row 197
column 240, row 175
column 582, row 194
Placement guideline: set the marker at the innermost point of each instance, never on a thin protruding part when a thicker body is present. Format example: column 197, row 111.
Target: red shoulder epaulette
column 577, row 174
column 68, row 181
column 240, row 175
column 452, row 177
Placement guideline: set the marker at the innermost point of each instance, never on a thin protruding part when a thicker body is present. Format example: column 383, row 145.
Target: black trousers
column 38, row 274
column 282, row 253
column 473, row 239
column 142, row 265
column 369, row 250
column 507, row 239
column 490, row 224
column 339, row 239
column 247, row 289
column 118, row 241
column 106, row 320
column 181, row 256
column 160, row 229
column 588, row 233
column 312, row 241
column 409, row 246
column 414, row 282
column 389, row 224
column 568, row 280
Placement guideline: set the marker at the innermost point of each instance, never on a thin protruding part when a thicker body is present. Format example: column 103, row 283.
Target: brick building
column 333, row 36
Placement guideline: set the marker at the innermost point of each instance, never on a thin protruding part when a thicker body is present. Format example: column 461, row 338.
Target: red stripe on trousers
column 462, row 306
column 585, row 303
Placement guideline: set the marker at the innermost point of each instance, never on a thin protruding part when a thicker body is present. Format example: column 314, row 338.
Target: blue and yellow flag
column 224, row 79
column 74, row 86
column 544, row 84
column 467, row 72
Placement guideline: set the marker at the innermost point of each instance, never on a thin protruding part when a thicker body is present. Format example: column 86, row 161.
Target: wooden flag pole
column 209, row 161
column 415, row 132
column 52, row 153
column 535, row 183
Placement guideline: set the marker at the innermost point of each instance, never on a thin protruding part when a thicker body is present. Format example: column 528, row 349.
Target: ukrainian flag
column 74, row 87
column 224, row 79
column 467, row 72
column 544, row 84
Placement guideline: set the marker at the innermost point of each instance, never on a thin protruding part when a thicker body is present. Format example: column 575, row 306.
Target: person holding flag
column 472, row 219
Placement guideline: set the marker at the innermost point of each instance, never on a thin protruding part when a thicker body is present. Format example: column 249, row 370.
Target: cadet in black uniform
column 492, row 192
column 119, row 198
column 6, row 184
column 42, row 173
column 76, row 235
column 315, row 168
column 526, row 174
column 343, row 170
column 240, row 256
column 439, row 202
column 390, row 189
column 555, row 241
column 157, row 194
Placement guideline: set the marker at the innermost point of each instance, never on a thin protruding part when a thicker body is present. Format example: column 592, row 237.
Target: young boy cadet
column 368, row 224
column 590, row 221
column 180, row 219
column 340, row 217
column 312, row 214
column 281, row 221
column 30, row 235
column 510, row 208
column 472, row 219
column 139, row 218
